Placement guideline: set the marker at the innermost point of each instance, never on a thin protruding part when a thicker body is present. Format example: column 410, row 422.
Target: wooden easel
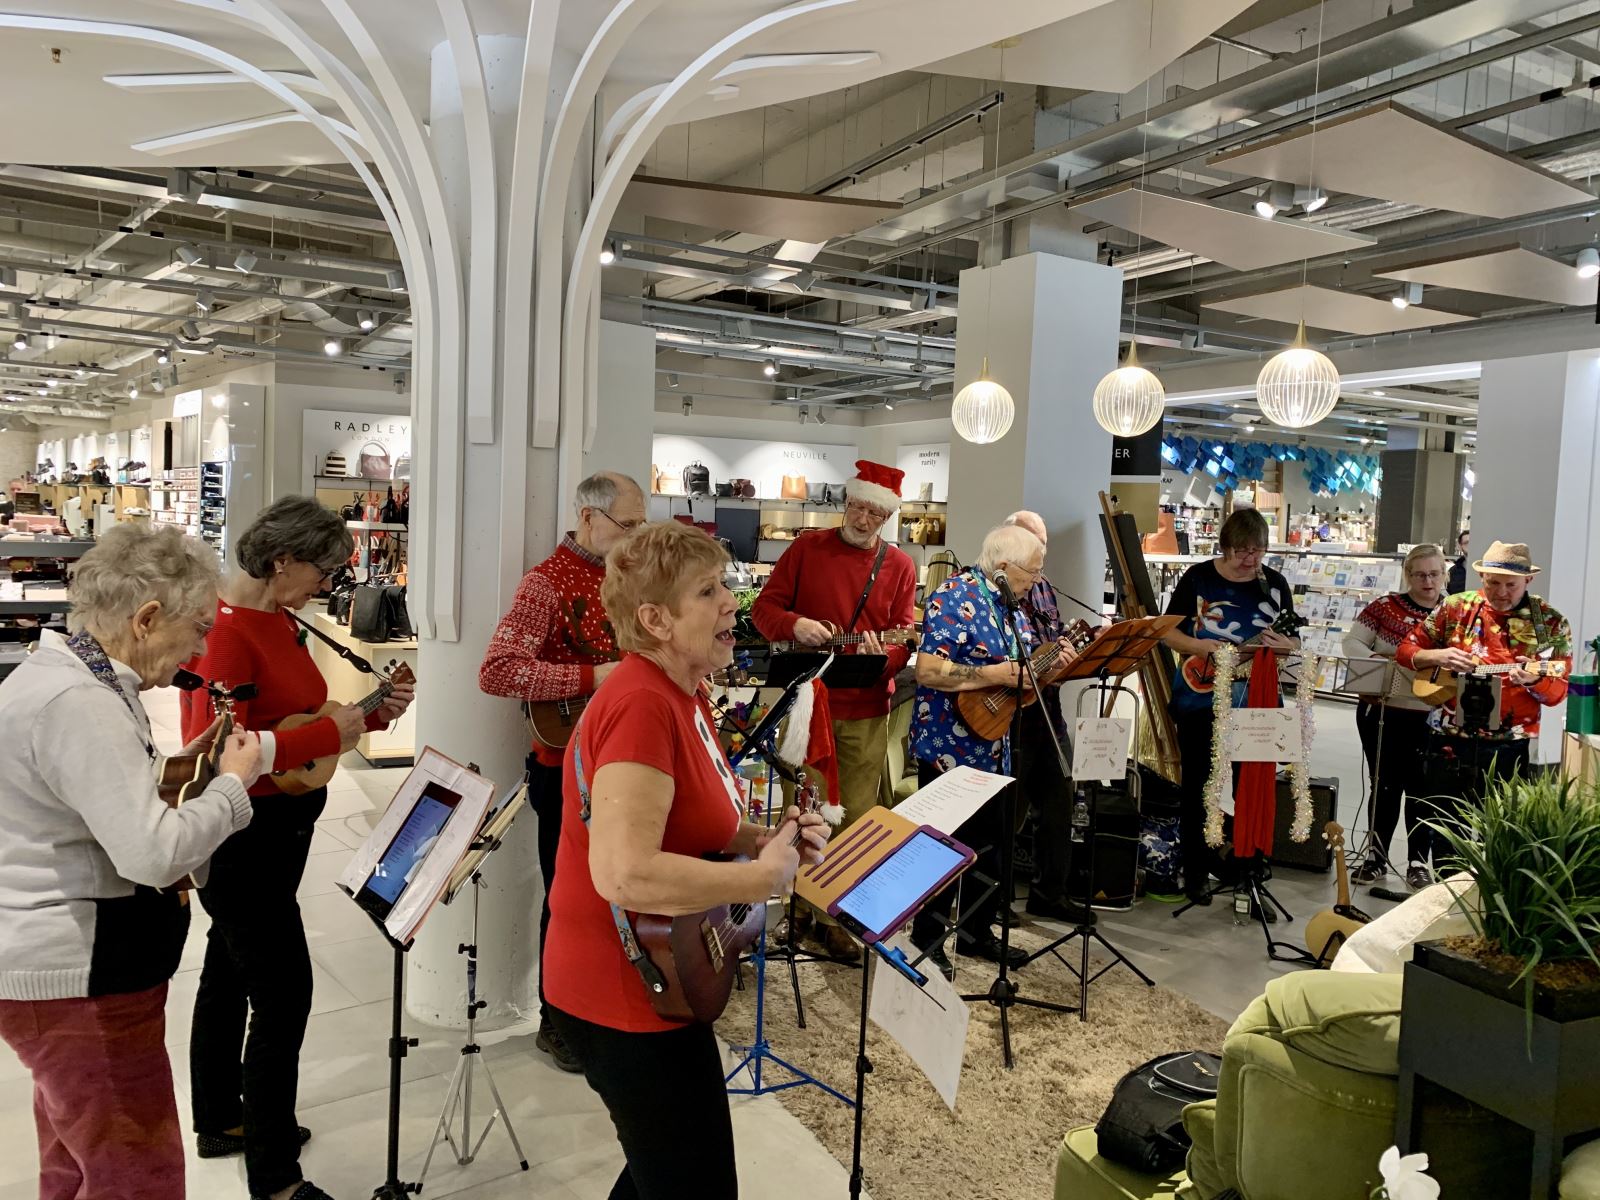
column 1153, row 675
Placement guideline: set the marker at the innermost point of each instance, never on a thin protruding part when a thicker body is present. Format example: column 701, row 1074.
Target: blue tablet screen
column 899, row 882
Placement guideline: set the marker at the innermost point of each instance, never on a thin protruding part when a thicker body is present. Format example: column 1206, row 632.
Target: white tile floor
column 563, row 1129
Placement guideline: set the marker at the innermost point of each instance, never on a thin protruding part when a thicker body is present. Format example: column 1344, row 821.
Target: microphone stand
column 1003, row 993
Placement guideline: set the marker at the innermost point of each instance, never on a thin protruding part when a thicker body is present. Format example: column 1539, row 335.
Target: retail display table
column 390, row 747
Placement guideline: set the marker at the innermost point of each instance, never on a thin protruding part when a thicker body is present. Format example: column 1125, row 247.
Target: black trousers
column 1404, row 741
column 1451, row 779
column 1194, row 751
column 667, row 1099
column 1048, row 794
column 544, row 797
column 982, row 831
column 257, row 969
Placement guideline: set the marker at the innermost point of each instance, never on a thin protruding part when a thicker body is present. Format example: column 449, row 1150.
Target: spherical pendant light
column 1298, row 386
column 1130, row 400
column 983, row 410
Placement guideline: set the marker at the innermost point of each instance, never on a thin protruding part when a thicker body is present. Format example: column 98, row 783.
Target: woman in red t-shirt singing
column 662, row 797
column 257, row 964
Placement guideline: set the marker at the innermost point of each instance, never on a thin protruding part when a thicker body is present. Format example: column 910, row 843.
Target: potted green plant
column 1509, row 1017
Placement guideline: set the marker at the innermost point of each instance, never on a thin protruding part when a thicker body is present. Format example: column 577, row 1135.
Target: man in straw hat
column 1500, row 623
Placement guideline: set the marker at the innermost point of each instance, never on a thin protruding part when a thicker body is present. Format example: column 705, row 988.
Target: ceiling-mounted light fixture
column 205, row 302
column 190, row 330
column 822, row 415
column 49, row 339
column 672, row 379
column 188, row 254
column 770, row 368
column 156, row 385
column 20, row 342
column 1298, row 386
column 1588, row 264
column 926, row 385
column 245, row 261
column 52, row 383
column 133, row 391
column 365, row 318
column 608, row 253
column 1309, row 199
column 163, row 356
column 396, row 280
column 880, row 345
column 333, row 347
column 80, row 371
column 804, row 281
column 1277, row 198
column 888, row 406
column 8, row 277
column 983, row 410
column 804, row 414
column 688, row 405
column 1409, row 294
column 1130, row 400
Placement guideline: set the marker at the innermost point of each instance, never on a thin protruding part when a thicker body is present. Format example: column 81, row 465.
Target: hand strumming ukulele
column 297, row 781
column 182, row 777
column 696, row 955
column 551, row 722
column 1329, row 929
column 988, row 711
column 889, row 637
column 1199, row 669
column 1439, row 685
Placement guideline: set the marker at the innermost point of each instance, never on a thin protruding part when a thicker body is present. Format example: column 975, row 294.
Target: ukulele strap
column 344, row 652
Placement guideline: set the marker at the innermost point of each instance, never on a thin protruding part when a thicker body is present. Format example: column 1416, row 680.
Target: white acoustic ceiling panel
column 1502, row 271
column 794, row 216
column 1235, row 239
column 1391, row 153
column 1327, row 308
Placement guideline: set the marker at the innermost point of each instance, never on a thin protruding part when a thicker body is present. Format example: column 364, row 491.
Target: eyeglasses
column 625, row 526
column 1026, row 572
column 867, row 510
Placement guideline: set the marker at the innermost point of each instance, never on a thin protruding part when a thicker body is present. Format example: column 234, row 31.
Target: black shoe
column 560, row 1054
column 1008, row 917
column 940, row 960
column 1418, row 876
column 222, row 1145
column 1200, row 896
column 1060, row 910
column 306, row 1191
column 1370, row 871
column 989, row 948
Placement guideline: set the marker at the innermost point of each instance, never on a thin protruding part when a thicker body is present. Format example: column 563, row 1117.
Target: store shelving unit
column 214, row 505
column 176, row 499
column 27, row 605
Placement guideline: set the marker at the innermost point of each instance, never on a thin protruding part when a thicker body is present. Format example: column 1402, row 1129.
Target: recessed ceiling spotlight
column 246, row 261
column 1588, row 264
column 333, row 347
column 365, row 318
column 769, row 368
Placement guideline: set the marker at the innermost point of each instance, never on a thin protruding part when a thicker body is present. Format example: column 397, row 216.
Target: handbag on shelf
column 817, row 493
column 352, row 511
column 378, row 613
column 794, row 487
column 744, row 488
column 697, row 479
column 376, row 466
column 334, row 466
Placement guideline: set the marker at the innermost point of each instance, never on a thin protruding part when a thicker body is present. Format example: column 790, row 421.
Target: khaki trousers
column 862, row 747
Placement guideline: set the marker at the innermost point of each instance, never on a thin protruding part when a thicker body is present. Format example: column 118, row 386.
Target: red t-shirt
column 640, row 716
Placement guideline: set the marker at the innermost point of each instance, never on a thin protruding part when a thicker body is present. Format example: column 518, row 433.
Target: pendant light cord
column 1311, row 166
column 1144, row 161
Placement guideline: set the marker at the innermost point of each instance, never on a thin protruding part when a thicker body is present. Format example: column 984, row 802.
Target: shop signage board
column 1137, row 457
column 763, row 463
column 927, row 465
column 369, row 443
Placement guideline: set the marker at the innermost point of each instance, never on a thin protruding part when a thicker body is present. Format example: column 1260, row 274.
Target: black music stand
column 1378, row 685
column 1113, row 655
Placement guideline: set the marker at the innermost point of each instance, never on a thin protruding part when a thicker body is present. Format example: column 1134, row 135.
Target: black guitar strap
column 344, row 652
column 872, row 578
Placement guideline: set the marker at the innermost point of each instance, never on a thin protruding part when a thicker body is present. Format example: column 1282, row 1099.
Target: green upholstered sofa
column 1305, row 1106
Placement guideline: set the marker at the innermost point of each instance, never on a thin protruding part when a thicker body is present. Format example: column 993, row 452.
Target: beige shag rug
column 1002, row 1139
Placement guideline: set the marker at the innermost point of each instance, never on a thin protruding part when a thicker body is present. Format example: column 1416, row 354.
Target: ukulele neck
column 372, row 703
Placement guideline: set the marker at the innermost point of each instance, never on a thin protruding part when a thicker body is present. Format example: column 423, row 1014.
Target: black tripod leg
column 1122, row 958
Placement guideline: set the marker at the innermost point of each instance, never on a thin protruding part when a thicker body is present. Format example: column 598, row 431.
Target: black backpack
column 1143, row 1125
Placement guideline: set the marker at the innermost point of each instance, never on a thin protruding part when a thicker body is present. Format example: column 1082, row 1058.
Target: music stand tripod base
column 1254, row 882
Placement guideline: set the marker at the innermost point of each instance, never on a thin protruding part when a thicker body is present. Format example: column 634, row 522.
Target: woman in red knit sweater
column 257, row 965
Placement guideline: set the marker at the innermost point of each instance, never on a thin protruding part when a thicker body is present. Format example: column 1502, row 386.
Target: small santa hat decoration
column 875, row 484
column 808, row 740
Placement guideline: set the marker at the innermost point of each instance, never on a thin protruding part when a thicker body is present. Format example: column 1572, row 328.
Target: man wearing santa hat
column 840, row 581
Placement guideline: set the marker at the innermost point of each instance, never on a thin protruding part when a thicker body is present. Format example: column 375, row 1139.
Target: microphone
column 187, row 681
column 1006, row 594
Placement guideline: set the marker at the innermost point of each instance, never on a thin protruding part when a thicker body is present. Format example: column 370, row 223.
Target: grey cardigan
column 85, row 838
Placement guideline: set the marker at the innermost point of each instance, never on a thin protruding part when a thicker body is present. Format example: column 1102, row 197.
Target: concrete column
column 1420, row 498
column 1048, row 327
column 453, row 716
column 1538, row 444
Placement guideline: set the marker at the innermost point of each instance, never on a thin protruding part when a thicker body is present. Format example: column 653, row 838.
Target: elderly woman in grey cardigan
column 88, row 940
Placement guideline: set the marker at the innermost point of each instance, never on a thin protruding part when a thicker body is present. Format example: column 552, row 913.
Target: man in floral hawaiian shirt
column 1500, row 623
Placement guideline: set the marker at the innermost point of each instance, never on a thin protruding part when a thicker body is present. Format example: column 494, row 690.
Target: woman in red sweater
column 662, row 797
column 257, row 965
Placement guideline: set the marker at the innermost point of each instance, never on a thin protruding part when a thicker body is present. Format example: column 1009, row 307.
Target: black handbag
column 1143, row 1125
column 378, row 613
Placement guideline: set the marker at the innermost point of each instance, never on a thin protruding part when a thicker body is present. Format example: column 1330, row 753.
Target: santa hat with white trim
column 875, row 484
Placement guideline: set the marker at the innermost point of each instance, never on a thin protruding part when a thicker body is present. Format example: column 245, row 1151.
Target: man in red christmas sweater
column 555, row 643
column 820, row 588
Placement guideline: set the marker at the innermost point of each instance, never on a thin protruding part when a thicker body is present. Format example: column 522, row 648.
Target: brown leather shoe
column 839, row 944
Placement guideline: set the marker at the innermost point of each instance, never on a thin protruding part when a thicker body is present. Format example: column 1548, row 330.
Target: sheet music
column 1100, row 748
column 950, row 799
column 1264, row 735
column 930, row 1022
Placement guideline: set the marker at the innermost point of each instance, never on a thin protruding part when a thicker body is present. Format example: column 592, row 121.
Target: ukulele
column 297, row 781
column 182, row 777
column 1329, row 929
column 697, row 954
column 551, row 722
column 988, row 711
column 1440, row 685
column 1199, row 669
column 889, row 637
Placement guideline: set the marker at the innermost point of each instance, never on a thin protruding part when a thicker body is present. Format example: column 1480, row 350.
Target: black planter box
column 1470, row 1036
column 1572, row 1004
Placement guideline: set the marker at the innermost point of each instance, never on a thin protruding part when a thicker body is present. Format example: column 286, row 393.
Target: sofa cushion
column 1081, row 1174
column 1344, row 1020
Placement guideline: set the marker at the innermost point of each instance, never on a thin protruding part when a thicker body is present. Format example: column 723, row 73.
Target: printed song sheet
column 930, row 1023
column 951, row 799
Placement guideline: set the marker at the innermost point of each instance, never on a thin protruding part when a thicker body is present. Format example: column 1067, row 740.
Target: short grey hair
column 1026, row 518
column 602, row 488
column 1007, row 544
column 300, row 527
column 132, row 565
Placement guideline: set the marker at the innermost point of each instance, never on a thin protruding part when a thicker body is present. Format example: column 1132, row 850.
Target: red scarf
column 1255, row 798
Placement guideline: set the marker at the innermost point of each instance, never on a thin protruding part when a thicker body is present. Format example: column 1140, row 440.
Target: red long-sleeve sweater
column 264, row 648
column 820, row 576
column 549, row 642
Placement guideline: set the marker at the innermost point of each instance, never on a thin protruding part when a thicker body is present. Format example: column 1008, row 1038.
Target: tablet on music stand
column 845, row 671
column 886, row 897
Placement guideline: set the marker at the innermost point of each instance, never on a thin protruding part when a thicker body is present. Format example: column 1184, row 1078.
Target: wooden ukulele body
column 697, row 956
